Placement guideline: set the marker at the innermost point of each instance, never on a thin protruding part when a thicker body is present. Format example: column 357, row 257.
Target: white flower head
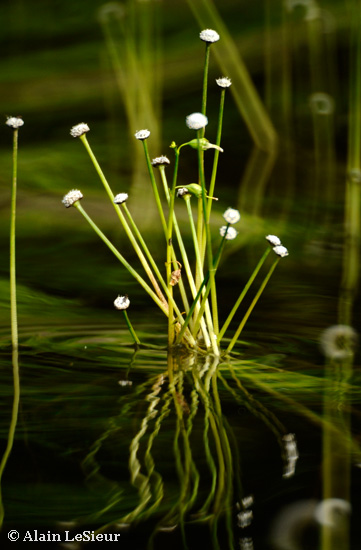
column 160, row 161
column 142, row 134
column 120, row 198
column 73, row 196
column 208, row 35
column 229, row 233
column 196, row 121
column 122, row 302
column 232, row 215
column 224, row 82
column 280, row 250
column 273, row 240
column 79, row 130
column 14, row 122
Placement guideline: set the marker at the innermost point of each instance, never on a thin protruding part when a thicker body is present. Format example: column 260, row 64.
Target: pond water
column 152, row 449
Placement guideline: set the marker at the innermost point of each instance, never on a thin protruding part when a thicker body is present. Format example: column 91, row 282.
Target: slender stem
column 208, row 241
column 205, row 80
column 116, row 253
column 169, row 232
column 155, row 188
column 14, row 323
column 131, row 329
column 253, row 303
column 200, row 269
column 242, row 295
column 205, row 282
column 216, row 153
column 151, row 259
column 122, row 219
column 13, row 306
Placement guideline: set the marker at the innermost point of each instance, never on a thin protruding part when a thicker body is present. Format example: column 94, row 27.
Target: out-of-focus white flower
column 160, row 161
column 142, row 134
column 122, row 302
column 196, row 121
column 273, row 240
column 338, row 342
column 232, row 215
column 79, row 130
column 120, row 198
column 14, row 122
column 224, row 82
column 208, row 35
column 73, row 196
column 229, row 233
column 280, row 250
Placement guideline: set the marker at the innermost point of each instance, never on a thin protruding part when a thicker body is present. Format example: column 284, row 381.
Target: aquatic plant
column 14, row 123
column 195, row 322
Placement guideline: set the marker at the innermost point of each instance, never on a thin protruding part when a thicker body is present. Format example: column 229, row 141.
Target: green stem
column 122, row 219
column 187, row 199
column 186, row 265
column 208, row 241
column 242, row 295
column 205, row 80
column 205, row 282
column 130, row 327
column 14, row 323
column 13, row 306
column 155, row 188
column 253, row 303
column 216, row 153
column 151, row 260
column 116, row 253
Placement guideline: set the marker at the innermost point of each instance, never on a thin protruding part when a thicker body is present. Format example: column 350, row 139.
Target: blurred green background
column 125, row 66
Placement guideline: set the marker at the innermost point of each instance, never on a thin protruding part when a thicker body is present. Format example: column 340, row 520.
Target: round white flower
column 142, row 134
column 79, row 130
column 232, row 215
column 208, row 35
column 14, row 122
column 73, row 196
column 196, row 121
column 160, row 161
column 224, row 82
column 122, row 302
column 120, row 198
column 230, row 233
column 273, row 240
column 280, row 250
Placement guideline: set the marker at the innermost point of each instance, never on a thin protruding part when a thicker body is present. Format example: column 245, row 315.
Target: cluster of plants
column 193, row 311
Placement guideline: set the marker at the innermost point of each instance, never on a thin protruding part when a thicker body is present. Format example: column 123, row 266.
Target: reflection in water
column 13, row 422
column 206, row 455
